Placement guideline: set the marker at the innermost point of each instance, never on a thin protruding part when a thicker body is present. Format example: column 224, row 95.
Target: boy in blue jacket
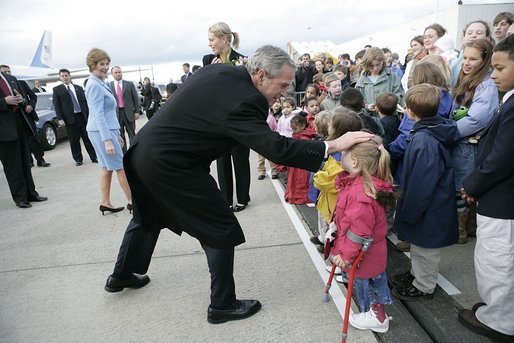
column 426, row 214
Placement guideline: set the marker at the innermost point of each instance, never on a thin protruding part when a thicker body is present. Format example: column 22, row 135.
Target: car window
column 44, row 102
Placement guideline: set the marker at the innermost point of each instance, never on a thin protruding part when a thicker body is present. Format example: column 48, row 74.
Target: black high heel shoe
column 108, row 209
column 130, row 207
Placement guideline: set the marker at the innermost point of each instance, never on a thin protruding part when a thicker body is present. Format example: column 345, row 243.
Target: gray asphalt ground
column 56, row 256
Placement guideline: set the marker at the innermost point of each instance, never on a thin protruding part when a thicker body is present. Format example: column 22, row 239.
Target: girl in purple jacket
column 365, row 190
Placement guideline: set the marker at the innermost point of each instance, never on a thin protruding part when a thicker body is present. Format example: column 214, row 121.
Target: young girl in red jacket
column 365, row 190
column 297, row 188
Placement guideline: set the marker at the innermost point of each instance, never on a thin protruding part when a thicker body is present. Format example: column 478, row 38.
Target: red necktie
column 7, row 91
column 121, row 104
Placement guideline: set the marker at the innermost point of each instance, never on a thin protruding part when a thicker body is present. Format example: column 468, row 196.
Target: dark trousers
column 75, row 133
column 36, row 148
column 15, row 157
column 240, row 155
column 126, row 125
column 138, row 246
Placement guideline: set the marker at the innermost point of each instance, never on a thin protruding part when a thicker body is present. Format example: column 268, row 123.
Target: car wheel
column 49, row 137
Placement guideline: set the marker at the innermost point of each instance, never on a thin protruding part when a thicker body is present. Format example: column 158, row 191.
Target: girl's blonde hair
column 343, row 120
column 373, row 160
column 321, row 122
column 221, row 30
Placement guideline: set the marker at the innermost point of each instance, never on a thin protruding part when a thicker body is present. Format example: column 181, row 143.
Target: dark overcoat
column 168, row 163
column 426, row 213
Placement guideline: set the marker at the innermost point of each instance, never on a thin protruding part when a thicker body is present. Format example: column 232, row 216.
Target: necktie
column 121, row 104
column 7, row 91
column 76, row 106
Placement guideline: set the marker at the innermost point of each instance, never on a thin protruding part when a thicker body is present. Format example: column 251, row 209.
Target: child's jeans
column 372, row 291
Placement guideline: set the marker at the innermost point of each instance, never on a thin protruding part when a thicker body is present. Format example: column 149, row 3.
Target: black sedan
column 48, row 130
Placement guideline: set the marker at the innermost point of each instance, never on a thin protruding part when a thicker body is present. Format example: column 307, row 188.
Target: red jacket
column 298, row 180
column 366, row 218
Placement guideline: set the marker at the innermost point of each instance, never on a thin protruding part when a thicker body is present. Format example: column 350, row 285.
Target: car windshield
column 44, row 103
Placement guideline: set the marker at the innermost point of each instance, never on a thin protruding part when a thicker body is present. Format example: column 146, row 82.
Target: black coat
column 64, row 106
column 234, row 56
column 168, row 163
column 9, row 119
column 492, row 181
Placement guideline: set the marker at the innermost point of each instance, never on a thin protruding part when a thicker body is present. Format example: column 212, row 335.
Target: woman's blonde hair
column 94, row 56
column 373, row 160
column 222, row 30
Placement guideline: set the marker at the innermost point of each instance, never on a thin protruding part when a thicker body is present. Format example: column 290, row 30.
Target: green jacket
column 386, row 82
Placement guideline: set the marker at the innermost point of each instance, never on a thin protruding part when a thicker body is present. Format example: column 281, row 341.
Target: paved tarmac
column 56, row 256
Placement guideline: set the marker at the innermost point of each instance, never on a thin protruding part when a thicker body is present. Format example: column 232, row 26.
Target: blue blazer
column 102, row 108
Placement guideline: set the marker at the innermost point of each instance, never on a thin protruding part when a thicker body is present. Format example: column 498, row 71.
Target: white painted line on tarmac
column 441, row 280
column 336, row 293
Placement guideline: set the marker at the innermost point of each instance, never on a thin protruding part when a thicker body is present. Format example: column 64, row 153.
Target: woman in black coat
column 220, row 41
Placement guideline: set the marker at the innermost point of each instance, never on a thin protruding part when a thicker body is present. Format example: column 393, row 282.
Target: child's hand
column 338, row 261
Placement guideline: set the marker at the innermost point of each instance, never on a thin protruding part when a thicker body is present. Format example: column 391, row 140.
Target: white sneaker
column 329, row 269
column 343, row 278
column 369, row 321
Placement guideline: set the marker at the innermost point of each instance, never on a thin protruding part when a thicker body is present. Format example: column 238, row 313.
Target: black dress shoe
column 38, row 199
column 469, row 320
column 23, row 204
column 239, row 207
column 78, row 163
column 43, row 163
column 134, row 281
column 242, row 309
column 94, row 161
column 103, row 209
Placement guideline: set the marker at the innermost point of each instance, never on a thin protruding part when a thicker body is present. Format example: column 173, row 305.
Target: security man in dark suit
column 167, row 167
column 71, row 110
column 30, row 112
column 37, row 87
column 14, row 143
column 127, row 100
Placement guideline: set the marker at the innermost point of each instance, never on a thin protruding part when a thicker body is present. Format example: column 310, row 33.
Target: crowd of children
column 447, row 148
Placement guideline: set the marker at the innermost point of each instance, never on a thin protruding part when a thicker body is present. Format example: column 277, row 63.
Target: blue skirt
column 114, row 162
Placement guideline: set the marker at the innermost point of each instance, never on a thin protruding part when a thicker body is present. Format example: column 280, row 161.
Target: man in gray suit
column 128, row 104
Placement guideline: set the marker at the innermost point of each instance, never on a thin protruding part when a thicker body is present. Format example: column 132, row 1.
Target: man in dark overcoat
column 168, row 163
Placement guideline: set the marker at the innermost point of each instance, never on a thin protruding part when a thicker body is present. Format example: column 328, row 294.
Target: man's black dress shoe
column 23, row 204
column 43, row 163
column 134, row 281
column 239, row 207
column 469, row 320
column 242, row 309
column 78, row 163
column 38, row 199
column 94, row 161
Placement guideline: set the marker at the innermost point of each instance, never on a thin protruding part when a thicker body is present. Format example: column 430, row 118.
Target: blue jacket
column 426, row 214
column 102, row 108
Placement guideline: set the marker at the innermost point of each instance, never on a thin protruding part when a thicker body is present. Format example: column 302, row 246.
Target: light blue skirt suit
column 103, row 123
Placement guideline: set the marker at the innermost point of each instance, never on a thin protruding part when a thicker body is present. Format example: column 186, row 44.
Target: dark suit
column 14, row 147
column 492, row 181
column 126, row 115
column 35, row 145
column 152, row 99
column 184, row 77
column 239, row 155
column 75, row 122
column 168, row 163
column 38, row 90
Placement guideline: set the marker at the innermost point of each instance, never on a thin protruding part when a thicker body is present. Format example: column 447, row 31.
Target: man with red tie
column 128, row 104
column 14, row 143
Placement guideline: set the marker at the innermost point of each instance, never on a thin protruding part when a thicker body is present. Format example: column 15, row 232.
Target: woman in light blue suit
column 103, row 129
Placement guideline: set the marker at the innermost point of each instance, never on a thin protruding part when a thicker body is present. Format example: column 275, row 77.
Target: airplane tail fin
column 43, row 55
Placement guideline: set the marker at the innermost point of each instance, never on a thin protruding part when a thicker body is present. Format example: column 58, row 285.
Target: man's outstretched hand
column 348, row 140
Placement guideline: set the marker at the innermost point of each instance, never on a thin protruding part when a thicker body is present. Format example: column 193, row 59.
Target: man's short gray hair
column 269, row 58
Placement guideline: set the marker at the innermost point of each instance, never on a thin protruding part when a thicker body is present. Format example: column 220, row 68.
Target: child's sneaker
column 343, row 278
column 411, row 293
column 369, row 321
column 337, row 272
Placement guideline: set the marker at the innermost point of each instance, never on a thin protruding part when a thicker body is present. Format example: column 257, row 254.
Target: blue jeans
column 372, row 291
column 463, row 158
